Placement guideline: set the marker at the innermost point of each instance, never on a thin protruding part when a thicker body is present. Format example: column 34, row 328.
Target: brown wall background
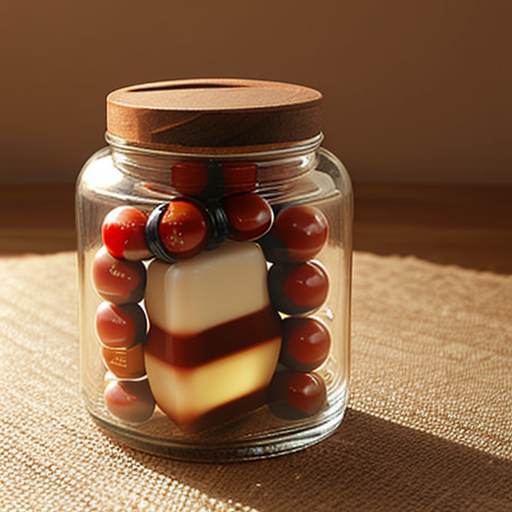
column 416, row 90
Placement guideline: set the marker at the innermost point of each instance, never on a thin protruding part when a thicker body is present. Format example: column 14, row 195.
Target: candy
column 120, row 326
column 189, row 178
column 214, row 339
column 306, row 343
column 118, row 281
column 183, row 228
column 177, row 230
column 123, row 233
column 299, row 234
column 297, row 288
column 239, row 177
column 249, row 216
column 125, row 363
column 213, row 178
column 130, row 401
column 295, row 396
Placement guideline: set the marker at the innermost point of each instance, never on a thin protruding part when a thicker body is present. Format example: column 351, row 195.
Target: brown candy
column 249, row 216
column 293, row 395
column 125, row 363
column 118, row 281
column 130, row 401
column 306, row 343
column 297, row 288
column 120, row 326
column 299, row 234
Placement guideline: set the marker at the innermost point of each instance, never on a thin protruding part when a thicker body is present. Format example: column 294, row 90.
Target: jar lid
column 214, row 115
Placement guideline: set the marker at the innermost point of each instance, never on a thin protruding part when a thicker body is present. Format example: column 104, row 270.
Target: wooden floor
column 465, row 225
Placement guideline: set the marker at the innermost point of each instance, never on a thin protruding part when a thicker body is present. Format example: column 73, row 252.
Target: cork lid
column 214, row 115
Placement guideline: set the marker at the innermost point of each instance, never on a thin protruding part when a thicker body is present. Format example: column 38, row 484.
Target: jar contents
column 215, row 334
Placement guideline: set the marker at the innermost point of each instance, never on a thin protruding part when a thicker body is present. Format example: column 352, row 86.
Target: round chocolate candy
column 239, row 177
column 183, row 228
column 297, row 288
column 306, row 343
column 118, row 281
column 293, row 395
column 189, row 178
column 120, row 326
column 249, row 216
column 123, row 233
column 125, row 363
column 178, row 230
column 299, row 234
column 130, row 401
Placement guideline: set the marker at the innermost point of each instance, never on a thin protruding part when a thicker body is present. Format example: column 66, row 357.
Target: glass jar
column 214, row 241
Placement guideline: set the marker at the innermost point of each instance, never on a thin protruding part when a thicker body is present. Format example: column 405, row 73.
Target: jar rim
column 253, row 152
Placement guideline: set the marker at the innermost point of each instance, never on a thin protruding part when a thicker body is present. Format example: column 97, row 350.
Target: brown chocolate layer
column 219, row 341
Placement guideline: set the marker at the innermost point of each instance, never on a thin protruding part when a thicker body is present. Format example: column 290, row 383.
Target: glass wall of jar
column 215, row 296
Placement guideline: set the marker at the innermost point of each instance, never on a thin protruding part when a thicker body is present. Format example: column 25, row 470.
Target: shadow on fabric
column 369, row 464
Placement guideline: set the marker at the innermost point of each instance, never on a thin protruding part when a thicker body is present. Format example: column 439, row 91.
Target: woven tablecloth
column 429, row 425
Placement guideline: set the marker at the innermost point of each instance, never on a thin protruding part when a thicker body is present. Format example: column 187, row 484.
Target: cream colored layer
column 187, row 394
column 210, row 289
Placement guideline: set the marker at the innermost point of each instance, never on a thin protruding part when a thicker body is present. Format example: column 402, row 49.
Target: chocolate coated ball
column 306, row 343
column 120, row 326
column 183, row 228
column 299, row 234
column 178, row 230
column 249, row 216
column 189, row 178
column 239, row 177
column 293, row 395
column 122, row 232
column 118, row 281
column 297, row 288
column 130, row 401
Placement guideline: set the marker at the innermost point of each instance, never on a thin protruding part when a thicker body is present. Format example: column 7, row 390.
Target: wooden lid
column 214, row 115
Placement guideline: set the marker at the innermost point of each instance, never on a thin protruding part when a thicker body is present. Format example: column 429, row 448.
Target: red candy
column 294, row 395
column 239, row 177
column 123, row 233
column 306, row 344
column 120, row 326
column 300, row 233
column 297, row 289
column 130, row 401
column 249, row 216
column 118, row 281
column 183, row 229
column 189, row 178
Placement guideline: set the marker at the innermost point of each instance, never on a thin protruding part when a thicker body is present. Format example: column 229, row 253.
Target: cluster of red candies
column 217, row 202
column 298, row 286
column 121, row 328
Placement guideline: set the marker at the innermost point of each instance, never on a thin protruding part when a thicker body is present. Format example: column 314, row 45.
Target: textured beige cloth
column 429, row 426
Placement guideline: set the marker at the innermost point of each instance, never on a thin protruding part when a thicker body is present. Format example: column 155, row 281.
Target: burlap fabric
column 429, row 425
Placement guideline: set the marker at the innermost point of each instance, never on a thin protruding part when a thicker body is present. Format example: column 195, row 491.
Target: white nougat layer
column 210, row 289
column 186, row 394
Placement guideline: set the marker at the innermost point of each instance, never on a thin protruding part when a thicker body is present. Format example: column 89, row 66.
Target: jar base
column 254, row 448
